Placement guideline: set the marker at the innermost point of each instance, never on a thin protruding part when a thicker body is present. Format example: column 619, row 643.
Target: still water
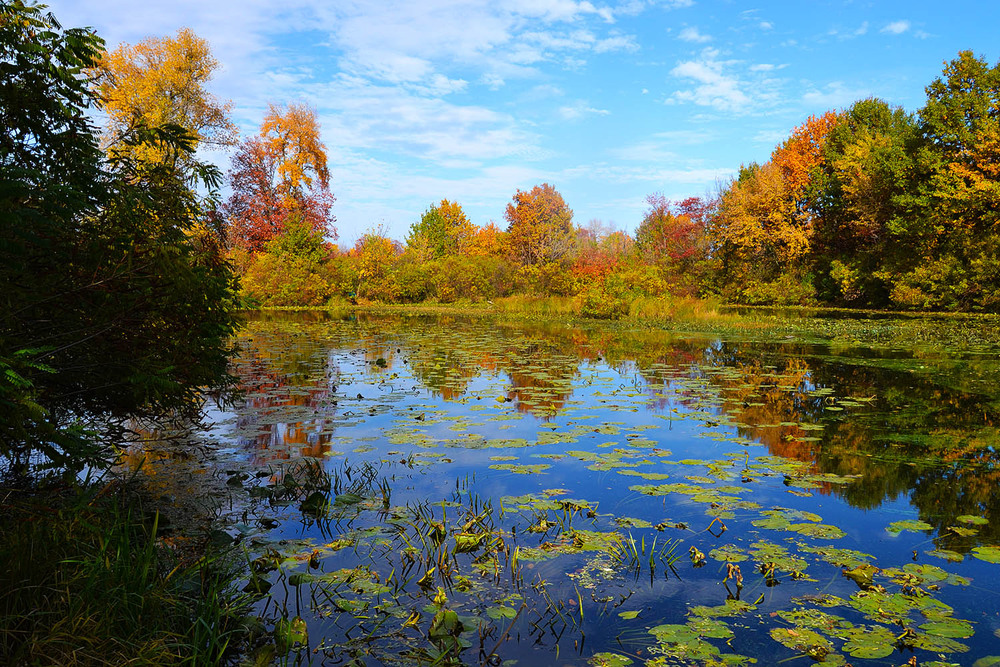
column 416, row 490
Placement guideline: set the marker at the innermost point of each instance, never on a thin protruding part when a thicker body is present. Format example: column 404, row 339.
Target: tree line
column 869, row 206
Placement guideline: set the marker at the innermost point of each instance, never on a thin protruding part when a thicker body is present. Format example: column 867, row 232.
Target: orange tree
column 762, row 232
column 277, row 175
column 540, row 226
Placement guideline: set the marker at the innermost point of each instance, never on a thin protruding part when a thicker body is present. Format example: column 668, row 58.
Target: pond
column 434, row 490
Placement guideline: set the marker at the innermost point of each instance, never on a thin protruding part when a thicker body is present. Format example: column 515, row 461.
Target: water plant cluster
column 421, row 491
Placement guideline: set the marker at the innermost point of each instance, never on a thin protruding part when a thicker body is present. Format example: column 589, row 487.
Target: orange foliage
column 292, row 137
column 803, row 150
column 161, row 80
column 541, row 225
column 488, row 241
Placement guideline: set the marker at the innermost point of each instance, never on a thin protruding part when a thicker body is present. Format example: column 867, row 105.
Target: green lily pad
column 289, row 633
column 915, row 525
column 970, row 519
column 608, row 660
column 729, row 553
column 522, row 469
column 818, row 530
column 952, row 627
column 870, row 642
column 989, row 554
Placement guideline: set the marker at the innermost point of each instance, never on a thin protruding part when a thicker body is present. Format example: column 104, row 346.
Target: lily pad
column 914, row 525
column 990, row 554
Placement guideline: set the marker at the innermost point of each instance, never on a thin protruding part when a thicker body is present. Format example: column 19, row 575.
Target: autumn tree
column 540, row 226
column 443, row 229
column 802, row 152
column 960, row 124
column 762, row 232
column 866, row 230
column 161, row 82
column 756, row 234
column 375, row 255
column 672, row 234
column 487, row 241
column 599, row 249
column 278, row 175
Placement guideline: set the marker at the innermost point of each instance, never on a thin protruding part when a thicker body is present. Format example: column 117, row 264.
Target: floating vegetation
column 547, row 493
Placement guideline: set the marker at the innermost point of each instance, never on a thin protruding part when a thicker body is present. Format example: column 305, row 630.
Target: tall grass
column 542, row 306
column 86, row 582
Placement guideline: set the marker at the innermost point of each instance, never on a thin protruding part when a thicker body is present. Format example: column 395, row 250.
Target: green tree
column 866, row 227
column 960, row 124
column 112, row 308
column 443, row 229
column 291, row 271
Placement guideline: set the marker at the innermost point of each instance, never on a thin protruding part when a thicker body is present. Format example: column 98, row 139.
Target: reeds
column 87, row 581
column 634, row 556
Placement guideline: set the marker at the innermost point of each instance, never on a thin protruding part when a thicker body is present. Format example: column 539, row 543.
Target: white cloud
column 770, row 137
column 765, row 25
column 579, row 109
column 861, row 29
column 714, row 88
column 616, row 43
column 691, row 34
column 660, row 147
column 621, row 174
column 896, row 27
column 834, row 95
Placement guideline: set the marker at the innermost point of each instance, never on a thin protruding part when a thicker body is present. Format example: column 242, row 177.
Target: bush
column 610, row 299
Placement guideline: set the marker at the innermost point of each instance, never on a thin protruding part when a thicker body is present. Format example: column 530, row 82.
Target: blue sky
column 470, row 100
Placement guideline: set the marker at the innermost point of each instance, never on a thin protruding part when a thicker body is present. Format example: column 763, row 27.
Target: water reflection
column 907, row 426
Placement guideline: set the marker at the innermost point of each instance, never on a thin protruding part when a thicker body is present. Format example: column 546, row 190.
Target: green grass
column 643, row 309
column 86, row 582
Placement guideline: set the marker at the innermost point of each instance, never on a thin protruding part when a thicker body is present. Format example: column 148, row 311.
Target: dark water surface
column 419, row 490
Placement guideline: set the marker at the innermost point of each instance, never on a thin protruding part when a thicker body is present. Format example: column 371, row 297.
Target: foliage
column 376, row 255
column 865, row 227
column 160, row 82
column 278, row 176
column 961, row 128
column 599, row 250
column 291, row 269
column 116, row 304
column 488, row 241
column 868, row 206
column 443, row 229
column 540, row 226
column 608, row 300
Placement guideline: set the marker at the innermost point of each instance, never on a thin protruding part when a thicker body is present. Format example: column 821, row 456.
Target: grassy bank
column 640, row 310
column 87, row 581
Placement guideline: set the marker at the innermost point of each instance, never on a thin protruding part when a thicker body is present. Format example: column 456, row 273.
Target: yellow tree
column 376, row 255
column 291, row 138
column 158, row 82
column 763, row 230
column 540, row 226
column 487, row 241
